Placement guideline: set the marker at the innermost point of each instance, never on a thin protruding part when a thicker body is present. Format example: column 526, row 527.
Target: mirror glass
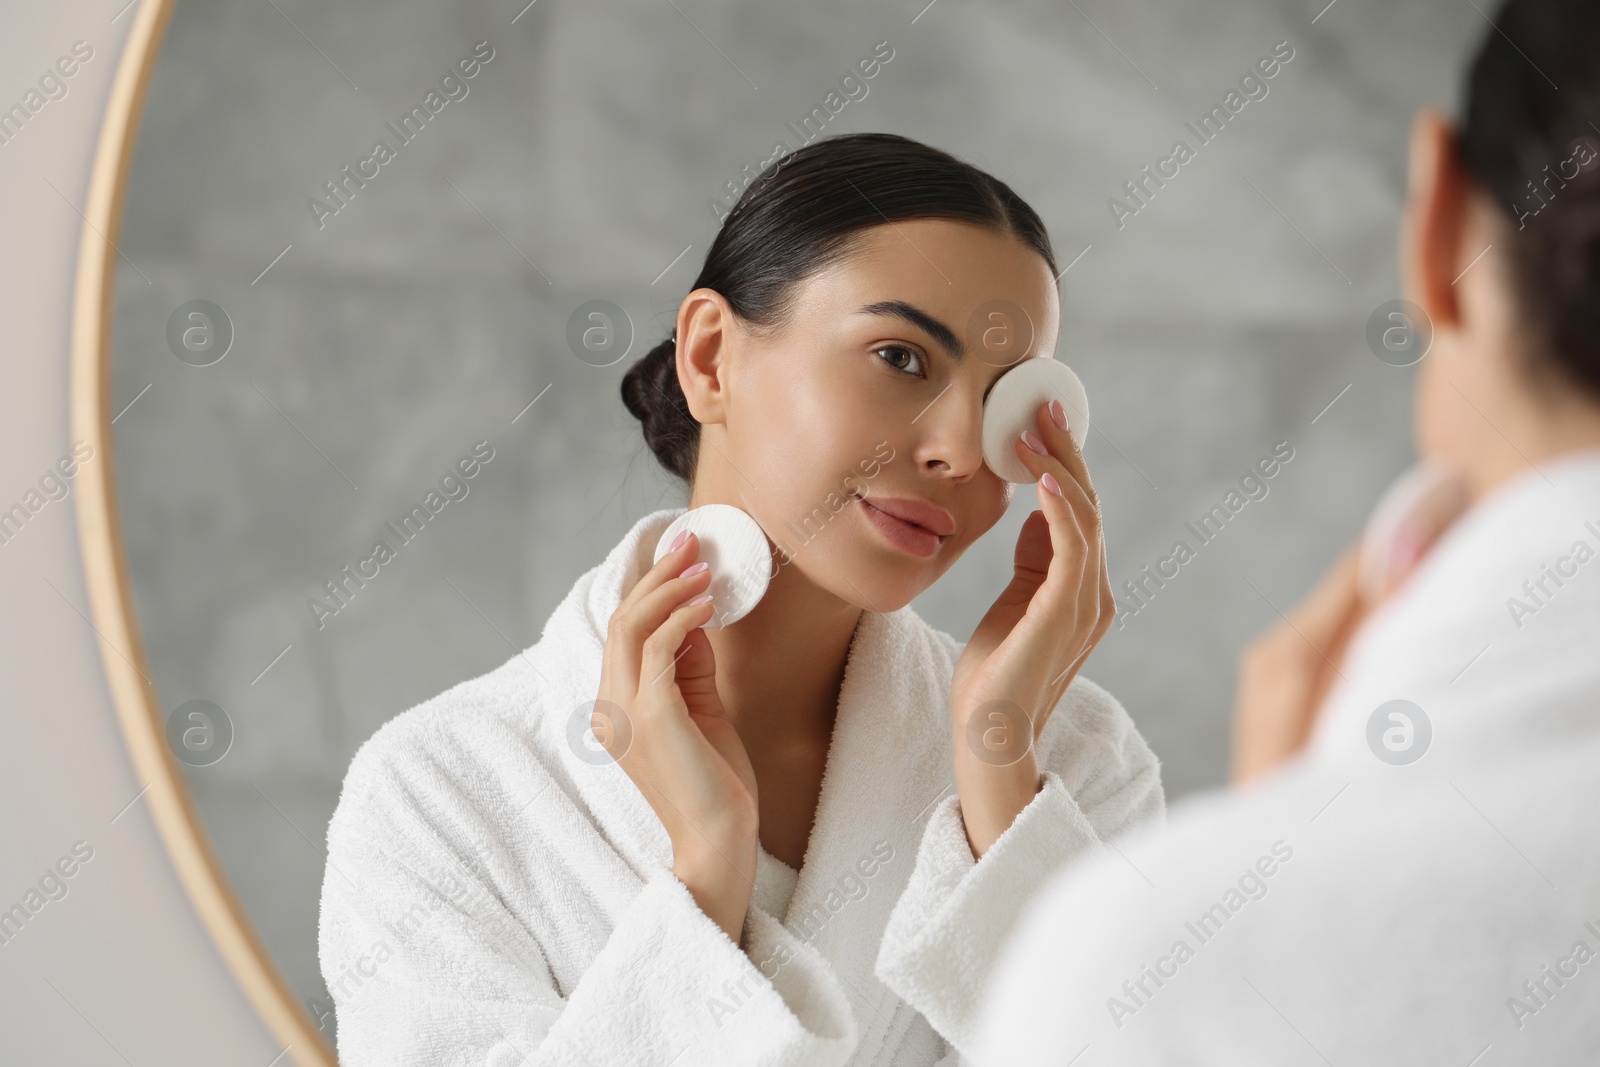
column 348, row 265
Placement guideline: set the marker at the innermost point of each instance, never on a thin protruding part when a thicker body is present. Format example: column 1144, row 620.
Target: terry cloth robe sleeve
column 947, row 929
column 428, row 966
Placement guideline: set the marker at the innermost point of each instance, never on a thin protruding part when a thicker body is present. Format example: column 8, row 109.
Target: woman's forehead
column 946, row 269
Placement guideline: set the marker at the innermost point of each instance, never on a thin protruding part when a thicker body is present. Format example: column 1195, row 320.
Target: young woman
column 1410, row 874
column 801, row 837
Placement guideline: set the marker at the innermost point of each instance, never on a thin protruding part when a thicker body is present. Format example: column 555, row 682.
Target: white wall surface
column 119, row 970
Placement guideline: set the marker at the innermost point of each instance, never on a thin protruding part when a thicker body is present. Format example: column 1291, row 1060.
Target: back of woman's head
column 1530, row 138
column 799, row 216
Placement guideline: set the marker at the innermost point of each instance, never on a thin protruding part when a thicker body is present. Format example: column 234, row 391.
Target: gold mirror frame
column 105, row 564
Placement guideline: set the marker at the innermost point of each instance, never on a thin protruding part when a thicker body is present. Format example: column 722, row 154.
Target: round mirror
column 381, row 267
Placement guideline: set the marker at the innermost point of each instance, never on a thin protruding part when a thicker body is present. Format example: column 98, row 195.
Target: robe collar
column 889, row 763
column 1453, row 640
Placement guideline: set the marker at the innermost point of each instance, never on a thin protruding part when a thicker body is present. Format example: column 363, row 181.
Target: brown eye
column 901, row 366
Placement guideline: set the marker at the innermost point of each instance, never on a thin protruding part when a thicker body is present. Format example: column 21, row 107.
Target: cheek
column 992, row 496
column 979, row 506
column 798, row 437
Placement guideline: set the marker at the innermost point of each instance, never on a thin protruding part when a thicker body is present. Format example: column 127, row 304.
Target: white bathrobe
column 499, row 892
column 1348, row 910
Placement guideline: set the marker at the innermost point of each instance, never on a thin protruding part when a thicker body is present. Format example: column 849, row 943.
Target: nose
column 949, row 437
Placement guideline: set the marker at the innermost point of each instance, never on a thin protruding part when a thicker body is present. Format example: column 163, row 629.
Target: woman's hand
column 659, row 716
column 1285, row 673
column 1030, row 645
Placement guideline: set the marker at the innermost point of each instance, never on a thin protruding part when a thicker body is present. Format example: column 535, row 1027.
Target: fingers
column 661, row 590
column 1063, row 461
column 1336, row 599
column 659, row 654
column 1108, row 601
column 1064, row 445
column 1074, row 515
column 665, row 569
column 695, row 670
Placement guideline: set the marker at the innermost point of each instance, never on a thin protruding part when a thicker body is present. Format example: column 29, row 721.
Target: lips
column 930, row 517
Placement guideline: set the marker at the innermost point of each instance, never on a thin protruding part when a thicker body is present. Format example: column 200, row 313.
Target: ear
column 706, row 330
column 1437, row 195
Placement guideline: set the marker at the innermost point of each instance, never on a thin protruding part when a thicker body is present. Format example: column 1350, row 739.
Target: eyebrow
column 916, row 316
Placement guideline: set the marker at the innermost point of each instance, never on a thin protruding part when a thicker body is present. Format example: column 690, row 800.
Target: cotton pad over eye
column 1010, row 409
column 735, row 547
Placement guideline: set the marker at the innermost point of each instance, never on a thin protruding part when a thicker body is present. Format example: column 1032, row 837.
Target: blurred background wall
column 371, row 348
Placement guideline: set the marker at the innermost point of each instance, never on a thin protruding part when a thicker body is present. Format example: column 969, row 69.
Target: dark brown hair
column 797, row 217
column 1517, row 133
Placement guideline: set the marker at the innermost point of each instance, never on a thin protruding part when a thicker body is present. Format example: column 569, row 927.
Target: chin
column 880, row 592
column 860, row 571
column 888, row 579
column 875, row 566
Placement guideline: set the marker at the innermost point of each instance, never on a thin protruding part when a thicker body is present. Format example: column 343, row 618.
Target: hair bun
column 651, row 393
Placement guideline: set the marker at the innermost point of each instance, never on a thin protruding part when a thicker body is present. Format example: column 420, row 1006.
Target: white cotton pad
column 1012, row 402
column 1412, row 513
column 736, row 548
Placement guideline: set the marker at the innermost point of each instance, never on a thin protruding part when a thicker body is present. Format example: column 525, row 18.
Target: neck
column 780, row 668
column 1553, row 423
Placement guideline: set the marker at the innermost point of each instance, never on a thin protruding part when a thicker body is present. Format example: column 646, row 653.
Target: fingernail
column 1058, row 414
column 703, row 598
column 1050, row 484
column 677, row 542
column 690, row 572
column 1034, row 443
